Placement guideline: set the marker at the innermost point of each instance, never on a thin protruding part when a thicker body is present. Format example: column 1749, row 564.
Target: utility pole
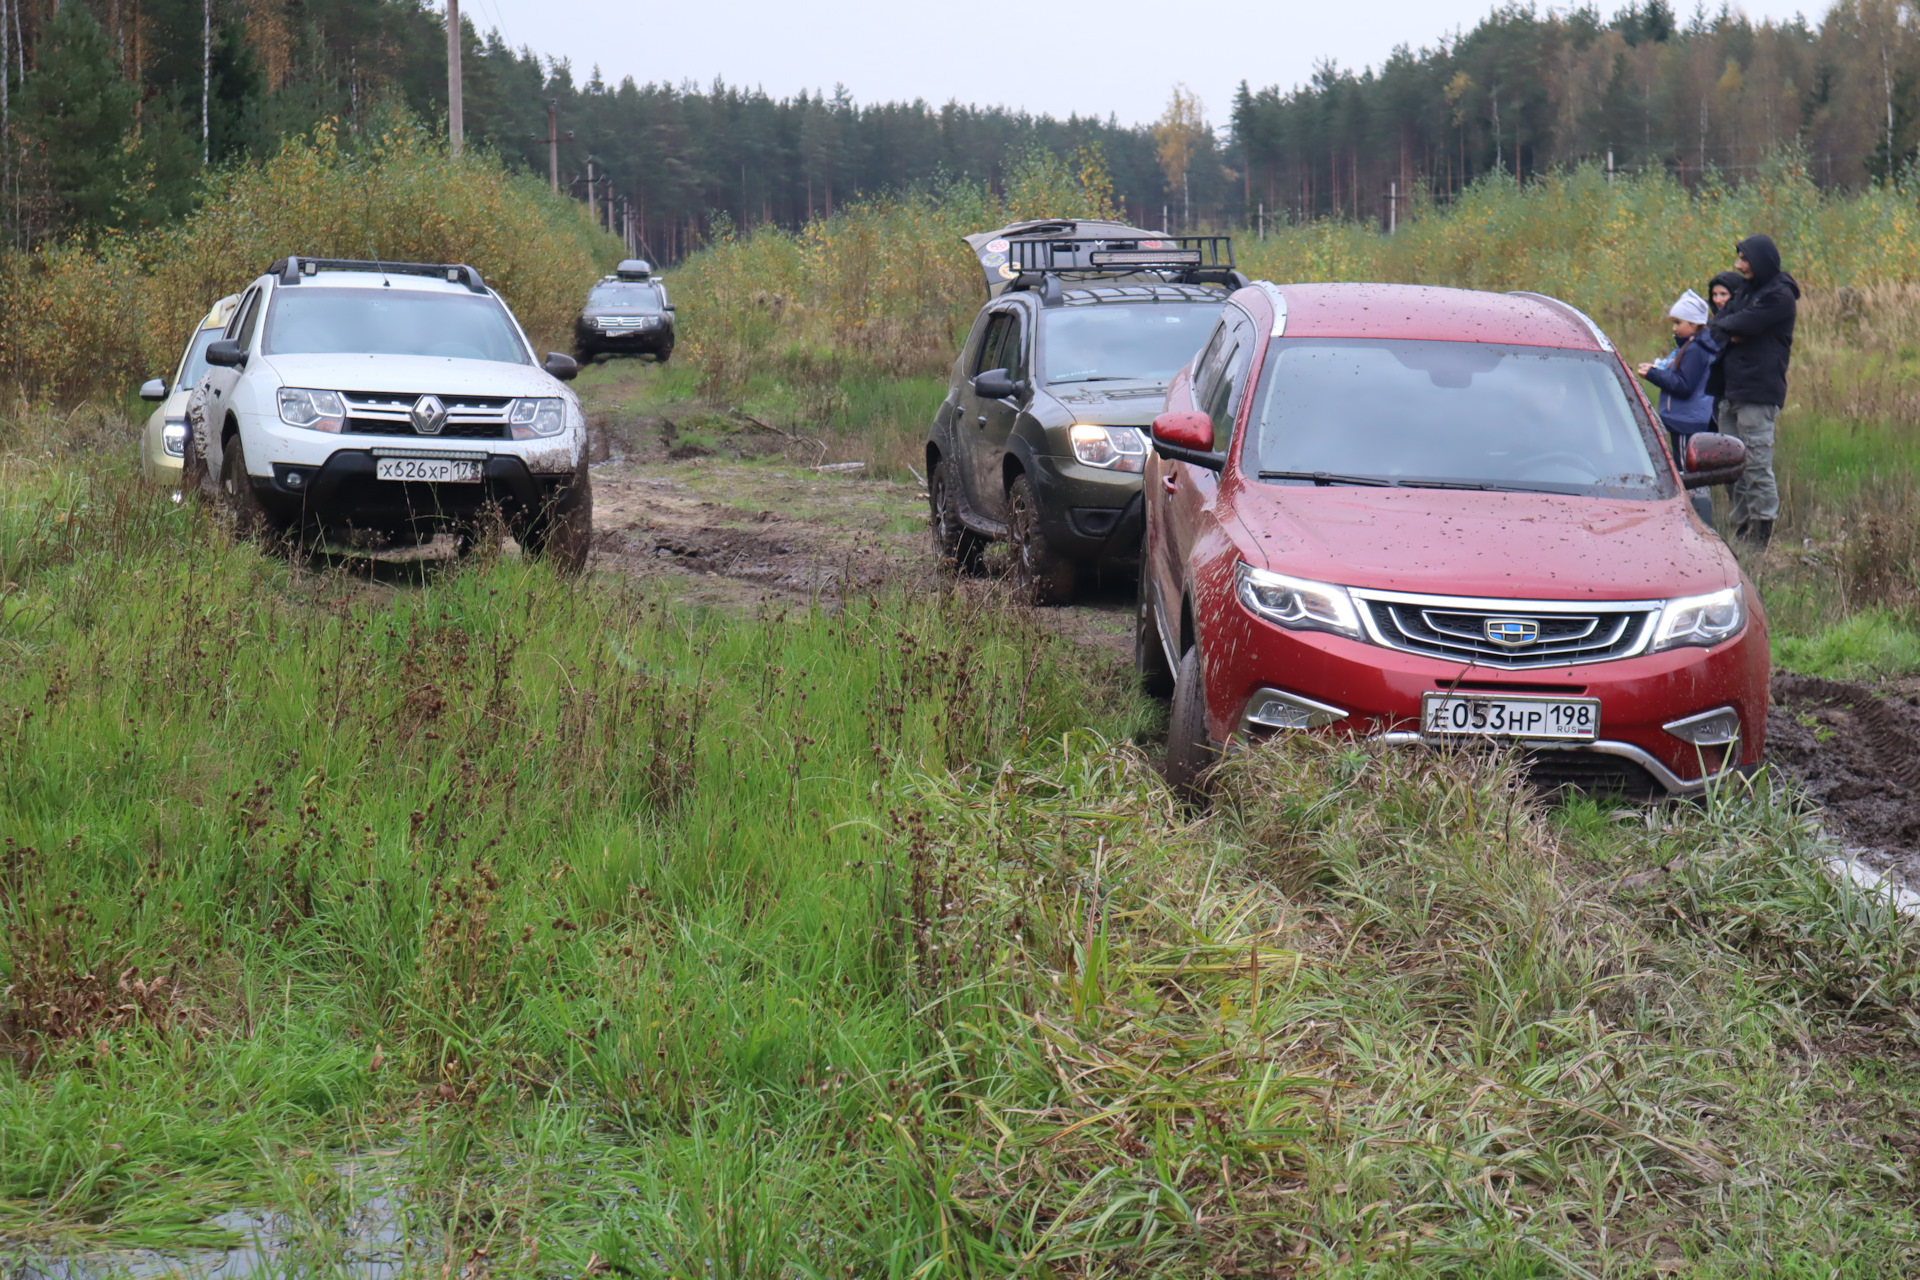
column 206, row 84
column 1393, row 207
column 455, row 124
column 6, row 134
column 593, row 194
column 553, row 146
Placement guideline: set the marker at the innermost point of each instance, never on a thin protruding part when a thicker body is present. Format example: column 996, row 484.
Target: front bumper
column 1090, row 514
column 343, row 495
column 1379, row 690
column 640, row 340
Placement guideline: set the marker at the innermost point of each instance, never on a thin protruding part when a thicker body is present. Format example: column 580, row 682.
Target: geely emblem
column 1512, row 633
column 428, row 415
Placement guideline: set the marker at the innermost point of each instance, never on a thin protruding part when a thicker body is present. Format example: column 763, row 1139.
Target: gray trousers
column 1755, row 495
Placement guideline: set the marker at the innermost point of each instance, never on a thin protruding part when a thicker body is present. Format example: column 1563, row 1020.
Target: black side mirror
column 561, row 365
column 1711, row 458
column 227, row 353
column 993, row 384
column 669, row 306
column 153, row 389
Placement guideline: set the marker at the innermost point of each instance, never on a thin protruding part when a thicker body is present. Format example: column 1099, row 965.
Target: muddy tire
column 1041, row 575
column 1149, row 655
column 956, row 548
column 661, row 357
column 236, row 499
column 1190, row 752
column 561, row 533
column 193, row 472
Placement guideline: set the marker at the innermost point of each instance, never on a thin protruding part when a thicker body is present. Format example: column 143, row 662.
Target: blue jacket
column 1685, row 406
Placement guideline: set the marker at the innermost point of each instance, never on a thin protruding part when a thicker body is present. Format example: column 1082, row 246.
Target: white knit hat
column 1691, row 307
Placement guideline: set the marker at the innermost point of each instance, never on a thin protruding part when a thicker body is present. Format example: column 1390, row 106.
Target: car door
column 986, row 423
column 221, row 380
column 1189, row 495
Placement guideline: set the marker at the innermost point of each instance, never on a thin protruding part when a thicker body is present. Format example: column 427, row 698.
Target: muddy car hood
column 438, row 374
column 1111, row 404
column 1504, row 545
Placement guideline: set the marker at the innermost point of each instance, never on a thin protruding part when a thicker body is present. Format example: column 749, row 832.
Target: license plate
column 430, row 470
column 1457, row 715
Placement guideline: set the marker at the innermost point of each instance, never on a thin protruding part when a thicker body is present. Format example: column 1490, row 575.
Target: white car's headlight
column 533, row 419
column 1295, row 603
column 1701, row 620
column 1109, row 448
column 173, row 437
column 314, row 410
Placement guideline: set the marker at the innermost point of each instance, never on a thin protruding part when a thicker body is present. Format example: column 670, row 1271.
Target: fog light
column 1708, row 729
column 296, row 479
column 1272, row 709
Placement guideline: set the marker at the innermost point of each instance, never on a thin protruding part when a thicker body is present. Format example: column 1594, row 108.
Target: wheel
column 1190, row 752
column 562, row 531
column 235, row 496
column 1041, row 574
column 193, row 471
column 661, row 357
column 1149, row 655
column 956, row 548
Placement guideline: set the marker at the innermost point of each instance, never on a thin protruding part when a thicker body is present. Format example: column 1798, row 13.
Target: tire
column 561, row 533
column 956, row 548
column 1190, row 752
column 1149, row 655
column 661, row 357
column 236, row 499
column 193, row 472
column 1041, row 575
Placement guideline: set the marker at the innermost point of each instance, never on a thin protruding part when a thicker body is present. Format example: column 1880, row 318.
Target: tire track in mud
column 1856, row 751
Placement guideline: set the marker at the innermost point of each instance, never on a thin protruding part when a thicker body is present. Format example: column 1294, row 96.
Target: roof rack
column 1037, row 260
column 290, row 269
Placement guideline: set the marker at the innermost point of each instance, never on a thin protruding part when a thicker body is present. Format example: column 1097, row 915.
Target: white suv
column 378, row 404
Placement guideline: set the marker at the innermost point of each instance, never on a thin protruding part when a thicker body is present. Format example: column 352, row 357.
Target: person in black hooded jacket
column 1749, row 380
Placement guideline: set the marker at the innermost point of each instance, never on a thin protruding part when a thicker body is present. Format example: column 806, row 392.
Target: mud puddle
column 1857, row 752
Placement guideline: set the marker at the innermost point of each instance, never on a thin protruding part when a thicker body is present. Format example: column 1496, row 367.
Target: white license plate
column 430, row 470
column 1461, row 715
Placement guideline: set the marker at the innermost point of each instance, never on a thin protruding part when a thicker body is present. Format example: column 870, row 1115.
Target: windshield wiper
column 1097, row 377
column 1326, row 478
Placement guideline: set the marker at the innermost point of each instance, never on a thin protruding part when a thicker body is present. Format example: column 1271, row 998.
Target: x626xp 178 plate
column 1462, row 715
column 431, row 470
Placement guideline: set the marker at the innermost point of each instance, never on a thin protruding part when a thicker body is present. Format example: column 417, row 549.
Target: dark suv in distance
column 1042, row 438
column 626, row 313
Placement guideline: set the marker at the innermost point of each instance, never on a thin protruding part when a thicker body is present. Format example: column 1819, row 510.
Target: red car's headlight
column 1296, row 603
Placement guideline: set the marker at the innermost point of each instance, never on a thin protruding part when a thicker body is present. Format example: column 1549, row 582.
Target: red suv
column 1441, row 516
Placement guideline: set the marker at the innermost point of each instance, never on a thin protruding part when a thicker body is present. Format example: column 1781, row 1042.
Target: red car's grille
column 1465, row 634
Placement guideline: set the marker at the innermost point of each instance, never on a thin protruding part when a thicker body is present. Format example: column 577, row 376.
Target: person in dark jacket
column 1721, row 288
column 1685, row 407
column 1755, row 334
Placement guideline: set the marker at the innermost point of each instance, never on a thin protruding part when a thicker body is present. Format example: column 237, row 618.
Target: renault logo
column 1512, row 633
column 428, row 415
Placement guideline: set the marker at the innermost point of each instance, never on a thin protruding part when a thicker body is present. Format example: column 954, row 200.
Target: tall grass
column 85, row 317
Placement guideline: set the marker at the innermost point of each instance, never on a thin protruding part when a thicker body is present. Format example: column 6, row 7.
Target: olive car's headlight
column 314, row 410
column 1109, row 448
column 532, row 419
column 1701, row 620
column 173, row 437
column 1295, row 603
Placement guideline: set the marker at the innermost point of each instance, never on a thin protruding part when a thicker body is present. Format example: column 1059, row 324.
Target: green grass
column 1873, row 644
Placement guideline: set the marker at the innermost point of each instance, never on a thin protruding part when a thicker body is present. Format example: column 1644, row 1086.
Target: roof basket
column 1035, row 260
column 290, row 270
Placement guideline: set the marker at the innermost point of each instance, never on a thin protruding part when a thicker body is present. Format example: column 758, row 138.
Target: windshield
column 193, row 365
column 1450, row 413
column 632, row 294
column 1147, row 342
column 306, row 320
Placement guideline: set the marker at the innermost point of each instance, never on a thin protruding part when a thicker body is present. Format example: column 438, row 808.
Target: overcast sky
column 1118, row 57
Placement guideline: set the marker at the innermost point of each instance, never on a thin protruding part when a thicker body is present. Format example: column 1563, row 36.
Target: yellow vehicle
column 163, row 442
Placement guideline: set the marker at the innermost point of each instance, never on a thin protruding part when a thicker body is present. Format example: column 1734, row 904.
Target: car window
column 398, row 322
column 634, row 294
column 193, row 363
column 1541, row 419
column 993, row 348
column 1146, row 342
column 1013, row 350
column 1206, row 357
column 1223, row 405
column 240, row 314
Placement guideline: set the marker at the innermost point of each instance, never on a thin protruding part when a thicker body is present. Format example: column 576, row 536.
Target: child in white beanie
column 1685, row 406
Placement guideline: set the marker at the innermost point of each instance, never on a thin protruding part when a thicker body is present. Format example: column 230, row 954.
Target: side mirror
column 1711, row 459
column 561, row 365
column 994, row 384
column 670, row 306
column 227, row 353
column 1187, row 437
column 153, row 389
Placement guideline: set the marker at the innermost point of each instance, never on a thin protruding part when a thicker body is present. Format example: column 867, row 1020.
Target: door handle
column 1171, row 480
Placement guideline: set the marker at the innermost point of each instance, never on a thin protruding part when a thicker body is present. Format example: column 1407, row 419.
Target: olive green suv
column 1042, row 438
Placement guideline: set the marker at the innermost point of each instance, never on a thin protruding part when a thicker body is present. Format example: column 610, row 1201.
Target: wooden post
column 553, row 146
column 456, row 124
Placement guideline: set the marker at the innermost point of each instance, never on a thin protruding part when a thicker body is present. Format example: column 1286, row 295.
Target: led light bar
column 1145, row 257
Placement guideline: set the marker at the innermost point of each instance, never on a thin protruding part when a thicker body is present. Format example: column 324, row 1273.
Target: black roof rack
column 290, row 269
column 1038, row 260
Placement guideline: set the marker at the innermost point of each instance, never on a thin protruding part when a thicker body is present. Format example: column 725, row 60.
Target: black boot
column 1740, row 530
column 1755, row 534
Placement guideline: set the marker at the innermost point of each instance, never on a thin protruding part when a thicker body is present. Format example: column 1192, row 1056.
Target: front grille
column 627, row 324
column 469, row 417
column 1591, row 772
column 1458, row 629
